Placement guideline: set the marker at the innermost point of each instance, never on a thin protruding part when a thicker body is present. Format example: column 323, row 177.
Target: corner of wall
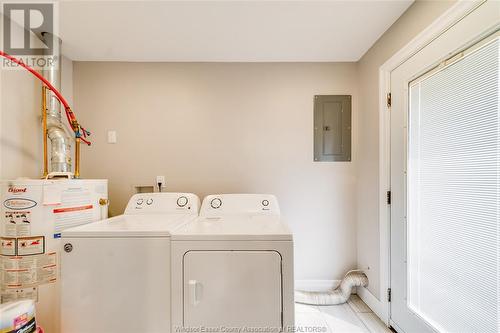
column 416, row 18
column 1, row 114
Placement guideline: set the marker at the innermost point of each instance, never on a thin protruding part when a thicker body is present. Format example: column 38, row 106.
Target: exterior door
column 233, row 289
column 445, row 161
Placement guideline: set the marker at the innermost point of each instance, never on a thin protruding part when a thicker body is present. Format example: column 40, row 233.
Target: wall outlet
column 160, row 182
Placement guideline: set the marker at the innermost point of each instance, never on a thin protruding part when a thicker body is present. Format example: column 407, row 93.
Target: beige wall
column 225, row 128
column 20, row 131
column 413, row 21
column 20, row 138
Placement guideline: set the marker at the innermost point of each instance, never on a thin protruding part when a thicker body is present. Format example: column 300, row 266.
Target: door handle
column 194, row 292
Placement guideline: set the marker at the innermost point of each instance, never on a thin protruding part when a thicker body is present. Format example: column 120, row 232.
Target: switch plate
column 111, row 136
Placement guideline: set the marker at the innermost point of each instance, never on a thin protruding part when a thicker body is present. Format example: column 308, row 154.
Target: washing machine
column 232, row 267
column 115, row 273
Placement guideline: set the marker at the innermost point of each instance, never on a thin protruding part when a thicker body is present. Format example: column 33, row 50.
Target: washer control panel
column 224, row 204
column 163, row 203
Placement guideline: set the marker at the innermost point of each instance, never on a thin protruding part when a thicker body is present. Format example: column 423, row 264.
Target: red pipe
column 85, row 141
column 69, row 114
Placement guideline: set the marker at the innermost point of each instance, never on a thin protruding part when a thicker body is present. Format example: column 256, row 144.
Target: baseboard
column 316, row 285
column 375, row 304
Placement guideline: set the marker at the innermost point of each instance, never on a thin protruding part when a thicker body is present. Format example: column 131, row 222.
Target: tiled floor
column 354, row 316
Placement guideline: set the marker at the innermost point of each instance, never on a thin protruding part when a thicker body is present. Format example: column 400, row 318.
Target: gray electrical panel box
column 332, row 127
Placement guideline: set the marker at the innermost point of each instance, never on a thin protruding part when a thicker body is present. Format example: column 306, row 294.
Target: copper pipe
column 44, row 125
column 77, row 158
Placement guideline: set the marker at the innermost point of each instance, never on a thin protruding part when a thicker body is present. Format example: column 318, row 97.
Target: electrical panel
column 332, row 128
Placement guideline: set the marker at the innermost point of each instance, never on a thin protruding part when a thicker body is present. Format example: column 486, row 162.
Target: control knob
column 216, row 203
column 182, row 201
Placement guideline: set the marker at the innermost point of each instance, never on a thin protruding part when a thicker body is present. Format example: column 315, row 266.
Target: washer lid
column 234, row 227
column 130, row 226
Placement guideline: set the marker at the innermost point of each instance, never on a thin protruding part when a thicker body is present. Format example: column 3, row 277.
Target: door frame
column 449, row 18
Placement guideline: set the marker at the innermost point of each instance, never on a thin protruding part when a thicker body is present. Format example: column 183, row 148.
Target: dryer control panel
column 228, row 204
column 164, row 202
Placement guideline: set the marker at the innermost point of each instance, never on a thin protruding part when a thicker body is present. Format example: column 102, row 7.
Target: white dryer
column 116, row 273
column 233, row 267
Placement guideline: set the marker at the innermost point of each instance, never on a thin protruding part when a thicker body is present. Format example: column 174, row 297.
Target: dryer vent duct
column 60, row 151
column 339, row 295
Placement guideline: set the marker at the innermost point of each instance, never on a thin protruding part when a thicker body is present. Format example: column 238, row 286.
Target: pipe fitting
column 60, row 160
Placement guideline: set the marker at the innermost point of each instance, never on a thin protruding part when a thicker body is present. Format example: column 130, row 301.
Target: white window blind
column 453, row 195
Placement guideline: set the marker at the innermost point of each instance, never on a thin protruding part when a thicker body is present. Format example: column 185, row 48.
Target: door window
column 453, row 194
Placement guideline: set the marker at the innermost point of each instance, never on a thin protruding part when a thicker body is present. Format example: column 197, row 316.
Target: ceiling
column 237, row 31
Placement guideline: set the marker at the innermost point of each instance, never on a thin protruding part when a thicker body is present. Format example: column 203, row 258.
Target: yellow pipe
column 44, row 125
column 77, row 158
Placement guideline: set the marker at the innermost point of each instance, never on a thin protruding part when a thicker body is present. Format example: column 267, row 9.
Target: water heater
column 34, row 213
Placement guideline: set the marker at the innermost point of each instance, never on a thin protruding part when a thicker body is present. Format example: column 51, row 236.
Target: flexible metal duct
column 339, row 295
column 60, row 152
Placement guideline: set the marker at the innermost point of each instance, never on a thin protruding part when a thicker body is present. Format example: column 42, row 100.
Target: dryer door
column 233, row 289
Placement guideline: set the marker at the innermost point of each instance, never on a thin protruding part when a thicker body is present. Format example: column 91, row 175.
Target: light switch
column 111, row 136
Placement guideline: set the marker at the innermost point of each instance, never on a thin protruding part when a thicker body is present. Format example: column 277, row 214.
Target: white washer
column 233, row 267
column 116, row 273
